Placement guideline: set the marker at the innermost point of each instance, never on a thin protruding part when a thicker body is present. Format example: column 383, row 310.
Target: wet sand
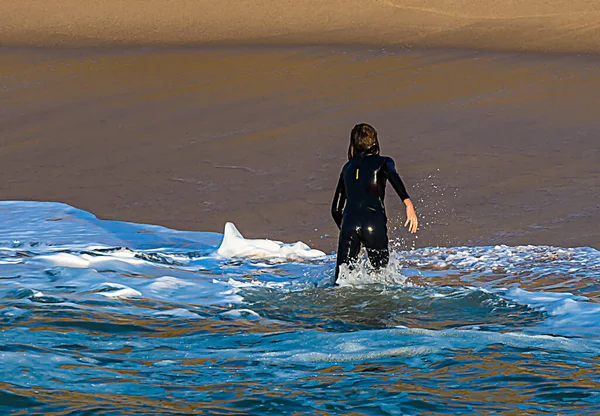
column 496, row 148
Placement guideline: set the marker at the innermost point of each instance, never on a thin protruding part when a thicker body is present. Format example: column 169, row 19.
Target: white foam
column 382, row 343
column 164, row 363
column 177, row 313
column 362, row 274
column 549, row 301
column 566, row 311
column 66, row 260
column 241, row 313
column 459, row 338
column 235, row 245
column 231, row 296
column 120, row 291
column 509, row 260
column 168, row 282
column 404, row 352
column 84, row 261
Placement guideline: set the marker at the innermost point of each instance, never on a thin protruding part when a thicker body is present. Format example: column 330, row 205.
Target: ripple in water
column 101, row 316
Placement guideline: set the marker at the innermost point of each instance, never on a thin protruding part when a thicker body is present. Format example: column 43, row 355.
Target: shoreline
column 280, row 47
column 240, row 44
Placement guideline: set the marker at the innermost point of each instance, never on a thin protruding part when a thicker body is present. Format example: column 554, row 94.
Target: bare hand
column 411, row 218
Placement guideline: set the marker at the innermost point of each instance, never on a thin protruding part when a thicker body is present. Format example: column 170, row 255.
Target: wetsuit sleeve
column 339, row 200
column 394, row 178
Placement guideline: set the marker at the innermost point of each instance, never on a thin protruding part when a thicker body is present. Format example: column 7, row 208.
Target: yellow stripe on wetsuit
column 357, row 173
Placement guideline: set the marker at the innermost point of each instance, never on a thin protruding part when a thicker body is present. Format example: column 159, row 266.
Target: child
column 358, row 208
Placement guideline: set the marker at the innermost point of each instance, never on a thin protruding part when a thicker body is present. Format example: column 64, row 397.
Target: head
column 363, row 140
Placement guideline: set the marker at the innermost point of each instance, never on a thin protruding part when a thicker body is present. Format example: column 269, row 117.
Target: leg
column 376, row 242
column 379, row 258
column 348, row 248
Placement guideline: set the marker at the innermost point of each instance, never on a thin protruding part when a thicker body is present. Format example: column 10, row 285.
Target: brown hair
column 363, row 140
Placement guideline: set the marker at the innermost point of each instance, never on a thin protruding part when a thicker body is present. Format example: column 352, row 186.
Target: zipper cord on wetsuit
column 358, row 164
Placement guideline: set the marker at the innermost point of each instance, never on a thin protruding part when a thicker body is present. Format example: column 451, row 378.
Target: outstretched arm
column 411, row 217
column 339, row 200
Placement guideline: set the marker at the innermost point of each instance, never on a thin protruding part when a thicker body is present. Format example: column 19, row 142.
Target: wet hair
column 363, row 140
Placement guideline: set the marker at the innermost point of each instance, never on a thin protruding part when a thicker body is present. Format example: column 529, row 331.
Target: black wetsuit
column 359, row 211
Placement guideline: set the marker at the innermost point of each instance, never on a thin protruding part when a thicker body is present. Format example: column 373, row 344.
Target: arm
column 411, row 217
column 392, row 176
column 339, row 200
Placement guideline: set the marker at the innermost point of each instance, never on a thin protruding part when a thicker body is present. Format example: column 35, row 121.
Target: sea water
column 104, row 317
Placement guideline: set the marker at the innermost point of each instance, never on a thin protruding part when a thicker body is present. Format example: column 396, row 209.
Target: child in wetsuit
column 358, row 208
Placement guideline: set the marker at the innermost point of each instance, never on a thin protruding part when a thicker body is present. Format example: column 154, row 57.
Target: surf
column 177, row 318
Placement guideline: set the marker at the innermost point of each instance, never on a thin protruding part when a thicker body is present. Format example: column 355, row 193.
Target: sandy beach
column 535, row 25
column 190, row 114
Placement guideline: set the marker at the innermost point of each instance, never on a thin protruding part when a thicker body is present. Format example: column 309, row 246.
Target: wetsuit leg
column 348, row 248
column 379, row 257
column 374, row 236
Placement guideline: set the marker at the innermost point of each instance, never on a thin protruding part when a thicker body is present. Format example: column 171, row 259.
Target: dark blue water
column 100, row 317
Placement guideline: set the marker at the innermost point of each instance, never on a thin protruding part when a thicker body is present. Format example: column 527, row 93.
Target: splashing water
column 103, row 316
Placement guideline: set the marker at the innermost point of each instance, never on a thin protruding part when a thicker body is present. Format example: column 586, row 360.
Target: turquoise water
column 101, row 317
